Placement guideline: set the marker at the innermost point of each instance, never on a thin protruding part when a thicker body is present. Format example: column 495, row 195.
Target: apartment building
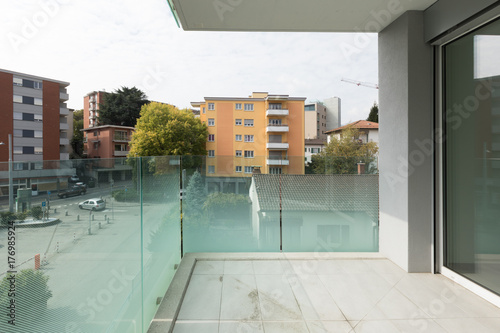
column 320, row 117
column 34, row 111
column 91, row 103
column 368, row 131
column 263, row 130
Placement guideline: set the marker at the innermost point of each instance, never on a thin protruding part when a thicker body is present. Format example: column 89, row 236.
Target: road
column 92, row 276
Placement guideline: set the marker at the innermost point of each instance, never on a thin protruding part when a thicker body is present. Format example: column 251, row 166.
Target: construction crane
column 359, row 83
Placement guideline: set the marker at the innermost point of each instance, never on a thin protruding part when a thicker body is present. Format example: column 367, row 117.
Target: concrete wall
column 333, row 113
column 406, row 191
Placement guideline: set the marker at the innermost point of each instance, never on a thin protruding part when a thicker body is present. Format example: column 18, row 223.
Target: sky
column 104, row 45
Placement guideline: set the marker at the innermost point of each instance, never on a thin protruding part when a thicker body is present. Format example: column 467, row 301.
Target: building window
column 19, row 166
column 121, row 135
column 211, row 106
column 237, row 106
column 237, row 122
column 211, row 169
column 248, row 169
column 238, row 137
column 249, row 153
column 275, row 122
column 38, row 134
column 275, row 171
column 38, row 101
column 38, row 117
column 121, row 147
column 238, row 168
column 29, row 150
column 211, row 122
column 17, row 150
column 275, row 106
column 18, row 82
column 37, row 85
column 248, row 122
column 248, row 106
column 211, row 153
column 18, row 99
column 238, row 153
column 248, row 138
column 204, row 110
column 211, row 137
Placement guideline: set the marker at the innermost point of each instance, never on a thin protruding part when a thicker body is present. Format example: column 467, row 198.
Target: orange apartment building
column 261, row 131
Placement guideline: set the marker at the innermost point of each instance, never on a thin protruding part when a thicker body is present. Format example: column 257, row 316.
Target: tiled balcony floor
column 338, row 295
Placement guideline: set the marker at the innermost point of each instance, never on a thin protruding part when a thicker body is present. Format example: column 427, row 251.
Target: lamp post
column 11, row 186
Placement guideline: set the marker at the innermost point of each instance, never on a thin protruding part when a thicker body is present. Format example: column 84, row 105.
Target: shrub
column 125, row 195
column 37, row 212
column 31, row 295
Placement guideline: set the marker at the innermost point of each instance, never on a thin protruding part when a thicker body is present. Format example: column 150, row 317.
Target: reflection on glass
column 473, row 156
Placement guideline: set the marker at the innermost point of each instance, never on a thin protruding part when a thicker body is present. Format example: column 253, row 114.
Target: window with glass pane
column 472, row 156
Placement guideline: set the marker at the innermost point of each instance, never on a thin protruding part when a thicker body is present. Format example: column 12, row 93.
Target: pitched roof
column 354, row 193
column 357, row 124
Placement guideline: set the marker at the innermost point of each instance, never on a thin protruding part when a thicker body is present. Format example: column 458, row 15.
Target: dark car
column 72, row 191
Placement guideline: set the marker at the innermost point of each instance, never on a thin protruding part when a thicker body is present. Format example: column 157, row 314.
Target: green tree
column 121, row 107
column 342, row 155
column 77, row 139
column 195, row 196
column 373, row 116
column 165, row 130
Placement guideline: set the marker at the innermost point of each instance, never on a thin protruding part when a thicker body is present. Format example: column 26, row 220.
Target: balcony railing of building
column 119, row 136
column 107, row 269
column 121, row 153
column 277, row 145
column 276, row 126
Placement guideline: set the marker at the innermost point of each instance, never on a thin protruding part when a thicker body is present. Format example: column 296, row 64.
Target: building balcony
column 63, row 126
column 64, row 156
column 277, row 128
column 277, row 145
column 63, row 96
column 120, row 153
column 64, row 111
column 276, row 160
column 277, row 112
column 121, row 138
column 63, row 141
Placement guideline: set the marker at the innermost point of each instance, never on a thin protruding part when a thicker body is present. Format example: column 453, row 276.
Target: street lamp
column 11, row 186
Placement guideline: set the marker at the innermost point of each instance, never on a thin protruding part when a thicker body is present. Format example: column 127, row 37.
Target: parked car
column 92, row 204
column 81, row 184
column 72, row 191
column 73, row 179
column 90, row 181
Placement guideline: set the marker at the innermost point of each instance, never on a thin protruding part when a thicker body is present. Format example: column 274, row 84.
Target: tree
column 373, row 116
column 121, row 107
column 342, row 155
column 165, row 130
column 77, row 139
column 194, row 199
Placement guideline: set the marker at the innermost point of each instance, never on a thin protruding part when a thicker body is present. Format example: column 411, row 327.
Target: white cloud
column 107, row 44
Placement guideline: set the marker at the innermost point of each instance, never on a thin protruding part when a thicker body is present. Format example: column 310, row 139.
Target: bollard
column 55, row 210
column 78, row 217
column 105, row 217
column 107, row 221
column 92, row 217
column 89, row 231
column 100, row 225
column 37, row 261
column 74, row 237
column 66, row 213
column 57, row 247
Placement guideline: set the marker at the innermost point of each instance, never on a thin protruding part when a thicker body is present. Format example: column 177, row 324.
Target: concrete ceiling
column 292, row 15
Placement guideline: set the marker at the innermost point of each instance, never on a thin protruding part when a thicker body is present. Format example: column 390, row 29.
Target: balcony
column 63, row 141
column 63, row 96
column 277, row 145
column 277, row 160
column 64, row 111
column 120, row 153
column 64, row 156
column 121, row 138
column 283, row 128
column 293, row 253
column 277, row 112
column 63, row 126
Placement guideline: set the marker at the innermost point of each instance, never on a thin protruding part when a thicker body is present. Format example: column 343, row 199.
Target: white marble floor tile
column 304, row 267
column 329, row 327
column 241, row 327
column 277, row 301
column 202, row 299
column 418, row 325
column 285, row 327
column 238, row 267
column 395, row 306
column 313, row 298
column 196, row 327
column 240, row 298
column 209, row 267
column 376, row 326
column 469, row 325
column 267, row 267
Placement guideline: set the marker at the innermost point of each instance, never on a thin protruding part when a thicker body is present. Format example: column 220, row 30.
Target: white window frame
column 38, row 101
column 211, row 106
column 248, row 106
column 17, row 81
column 238, row 168
column 211, row 169
column 248, row 138
column 237, row 106
column 211, row 121
column 248, row 169
column 213, row 138
column 239, row 153
column 237, row 122
column 249, row 154
column 248, row 122
column 211, row 153
column 38, row 150
column 238, row 137
column 17, row 99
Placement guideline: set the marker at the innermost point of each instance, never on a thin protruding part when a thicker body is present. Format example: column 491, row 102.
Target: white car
column 93, row 204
